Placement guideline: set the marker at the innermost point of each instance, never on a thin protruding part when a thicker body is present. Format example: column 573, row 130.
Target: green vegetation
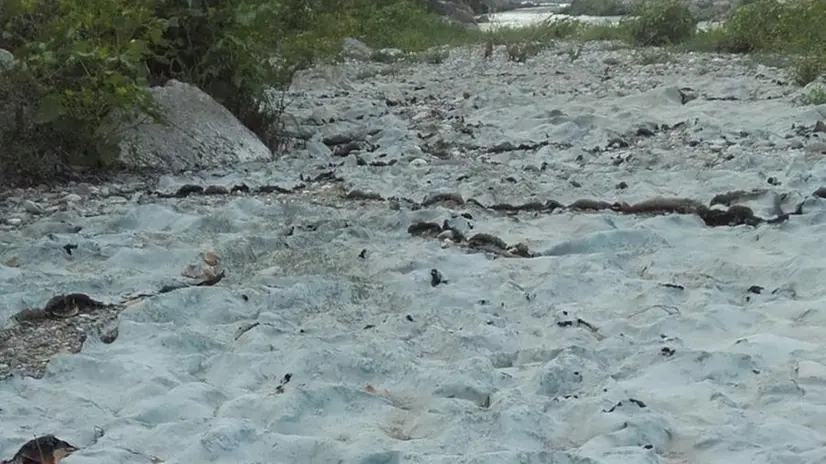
column 82, row 68
column 663, row 22
column 794, row 29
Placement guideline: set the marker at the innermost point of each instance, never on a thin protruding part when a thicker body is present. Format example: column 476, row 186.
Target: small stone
column 73, row 198
column 318, row 149
column 818, row 148
column 445, row 235
column 32, row 207
column 211, row 259
column 418, row 163
column 14, row 221
column 105, row 192
column 421, row 115
column 83, row 190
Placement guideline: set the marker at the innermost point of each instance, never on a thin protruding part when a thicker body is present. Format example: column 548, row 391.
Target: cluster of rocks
column 450, row 150
column 467, row 109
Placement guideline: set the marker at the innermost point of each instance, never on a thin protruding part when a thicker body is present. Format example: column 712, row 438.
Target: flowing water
column 527, row 16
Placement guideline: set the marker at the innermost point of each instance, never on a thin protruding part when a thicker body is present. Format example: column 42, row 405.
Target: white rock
column 810, row 370
column 201, row 134
column 6, row 59
column 353, row 48
column 32, row 207
column 73, row 198
column 84, row 190
column 418, row 163
column 816, row 147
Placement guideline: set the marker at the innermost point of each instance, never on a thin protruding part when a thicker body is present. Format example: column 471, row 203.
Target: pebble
column 83, row 189
column 818, row 148
column 32, row 207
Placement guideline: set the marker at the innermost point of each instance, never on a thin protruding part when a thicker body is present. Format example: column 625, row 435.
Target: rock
column 84, row 190
column 388, row 55
column 201, row 134
column 6, row 59
column 455, row 11
column 356, row 49
column 816, row 87
column 318, row 149
column 32, row 207
column 816, row 147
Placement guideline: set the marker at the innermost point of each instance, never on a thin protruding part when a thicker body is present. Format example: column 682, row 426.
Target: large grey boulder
column 356, row 49
column 199, row 134
column 6, row 59
column 453, row 10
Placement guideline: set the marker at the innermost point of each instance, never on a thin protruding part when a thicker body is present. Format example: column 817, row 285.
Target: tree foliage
column 83, row 67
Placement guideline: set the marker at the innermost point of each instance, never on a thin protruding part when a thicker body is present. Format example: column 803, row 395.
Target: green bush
column 229, row 52
column 660, row 22
column 796, row 29
column 89, row 64
column 77, row 63
column 755, row 26
column 83, row 67
column 771, row 25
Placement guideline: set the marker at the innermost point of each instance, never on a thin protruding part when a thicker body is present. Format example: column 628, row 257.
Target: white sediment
column 386, row 368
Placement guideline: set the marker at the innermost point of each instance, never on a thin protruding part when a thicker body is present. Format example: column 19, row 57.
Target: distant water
column 527, row 16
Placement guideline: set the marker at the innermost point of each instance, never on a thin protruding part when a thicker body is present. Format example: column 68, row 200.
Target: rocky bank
column 458, row 263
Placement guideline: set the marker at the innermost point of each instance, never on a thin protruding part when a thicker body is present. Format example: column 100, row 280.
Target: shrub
column 809, row 67
column 89, row 64
column 229, row 52
column 83, row 67
column 772, row 25
column 77, row 63
column 661, row 22
column 754, row 26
